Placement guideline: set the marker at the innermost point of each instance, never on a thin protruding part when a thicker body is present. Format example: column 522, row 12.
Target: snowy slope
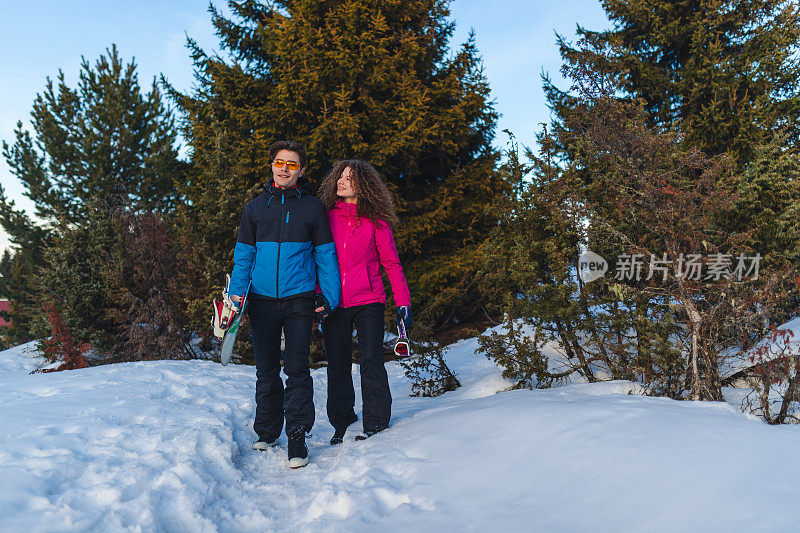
column 22, row 358
column 165, row 446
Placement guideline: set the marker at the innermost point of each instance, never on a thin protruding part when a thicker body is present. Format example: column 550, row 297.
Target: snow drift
column 165, row 446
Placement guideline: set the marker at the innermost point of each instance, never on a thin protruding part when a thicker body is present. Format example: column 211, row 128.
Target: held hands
column 404, row 314
column 322, row 308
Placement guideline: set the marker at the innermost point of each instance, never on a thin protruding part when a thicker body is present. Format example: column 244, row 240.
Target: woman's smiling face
column 344, row 186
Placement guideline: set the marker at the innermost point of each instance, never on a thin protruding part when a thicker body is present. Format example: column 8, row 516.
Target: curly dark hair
column 374, row 199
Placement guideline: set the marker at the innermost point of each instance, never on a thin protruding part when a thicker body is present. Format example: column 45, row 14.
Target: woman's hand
column 404, row 314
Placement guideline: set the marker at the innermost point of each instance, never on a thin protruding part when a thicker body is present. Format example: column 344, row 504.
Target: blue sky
column 37, row 38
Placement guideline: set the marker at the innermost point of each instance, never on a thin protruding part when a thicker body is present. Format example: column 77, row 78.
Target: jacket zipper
column 351, row 230
column 280, row 240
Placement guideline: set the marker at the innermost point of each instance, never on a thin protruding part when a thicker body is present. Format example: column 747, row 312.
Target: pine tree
column 608, row 178
column 530, row 265
column 769, row 201
column 725, row 74
column 104, row 133
column 101, row 144
column 362, row 79
column 723, row 78
column 527, row 263
column 19, row 269
column 74, row 275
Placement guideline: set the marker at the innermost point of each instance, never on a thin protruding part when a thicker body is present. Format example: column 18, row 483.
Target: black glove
column 320, row 301
column 404, row 314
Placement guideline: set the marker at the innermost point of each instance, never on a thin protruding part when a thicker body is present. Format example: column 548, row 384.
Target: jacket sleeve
column 244, row 255
column 384, row 241
column 325, row 258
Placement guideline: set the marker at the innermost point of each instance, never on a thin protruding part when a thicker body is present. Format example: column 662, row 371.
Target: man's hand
column 323, row 309
column 235, row 299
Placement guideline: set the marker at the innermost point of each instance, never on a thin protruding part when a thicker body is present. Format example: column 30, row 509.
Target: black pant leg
column 376, row 397
column 337, row 330
column 298, row 402
column 265, row 322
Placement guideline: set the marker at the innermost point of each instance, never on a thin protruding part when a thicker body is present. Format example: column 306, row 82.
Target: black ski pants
column 376, row 397
column 295, row 403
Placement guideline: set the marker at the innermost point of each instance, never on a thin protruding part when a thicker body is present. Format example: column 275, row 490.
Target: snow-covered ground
column 766, row 349
column 165, row 446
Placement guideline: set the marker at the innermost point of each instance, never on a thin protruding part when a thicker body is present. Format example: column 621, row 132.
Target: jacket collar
column 301, row 188
column 344, row 209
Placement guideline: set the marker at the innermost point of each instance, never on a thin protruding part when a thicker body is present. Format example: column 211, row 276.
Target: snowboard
column 226, row 320
column 230, row 335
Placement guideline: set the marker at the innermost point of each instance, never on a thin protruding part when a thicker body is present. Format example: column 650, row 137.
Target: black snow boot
column 368, row 433
column 338, row 436
column 263, row 443
column 298, row 451
column 365, row 435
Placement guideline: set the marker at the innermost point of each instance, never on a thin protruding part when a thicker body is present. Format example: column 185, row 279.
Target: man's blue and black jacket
column 285, row 247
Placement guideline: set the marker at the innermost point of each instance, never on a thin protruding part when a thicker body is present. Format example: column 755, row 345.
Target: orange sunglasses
column 291, row 165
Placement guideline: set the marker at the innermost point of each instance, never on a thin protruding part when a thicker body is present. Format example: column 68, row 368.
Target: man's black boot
column 298, row 451
column 263, row 443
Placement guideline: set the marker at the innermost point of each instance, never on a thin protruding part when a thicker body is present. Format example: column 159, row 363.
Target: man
column 284, row 248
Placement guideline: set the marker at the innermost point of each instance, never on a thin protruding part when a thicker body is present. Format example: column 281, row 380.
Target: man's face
column 283, row 176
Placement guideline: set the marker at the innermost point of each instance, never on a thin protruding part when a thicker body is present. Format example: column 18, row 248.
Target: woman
column 361, row 214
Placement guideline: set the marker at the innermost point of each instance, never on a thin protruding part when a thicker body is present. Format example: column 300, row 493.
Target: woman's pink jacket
column 362, row 246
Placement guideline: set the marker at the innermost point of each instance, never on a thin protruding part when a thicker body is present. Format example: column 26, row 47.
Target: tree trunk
column 713, row 383
column 694, row 321
column 579, row 353
column 593, row 330
column 696, row 392
column 788, row 398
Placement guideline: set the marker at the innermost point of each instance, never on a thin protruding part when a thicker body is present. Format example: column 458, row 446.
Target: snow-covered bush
column 520, row 355
column 775, row 378
column 426, row 368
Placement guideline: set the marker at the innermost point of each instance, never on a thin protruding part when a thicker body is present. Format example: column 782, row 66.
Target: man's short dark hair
column 292, row 146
